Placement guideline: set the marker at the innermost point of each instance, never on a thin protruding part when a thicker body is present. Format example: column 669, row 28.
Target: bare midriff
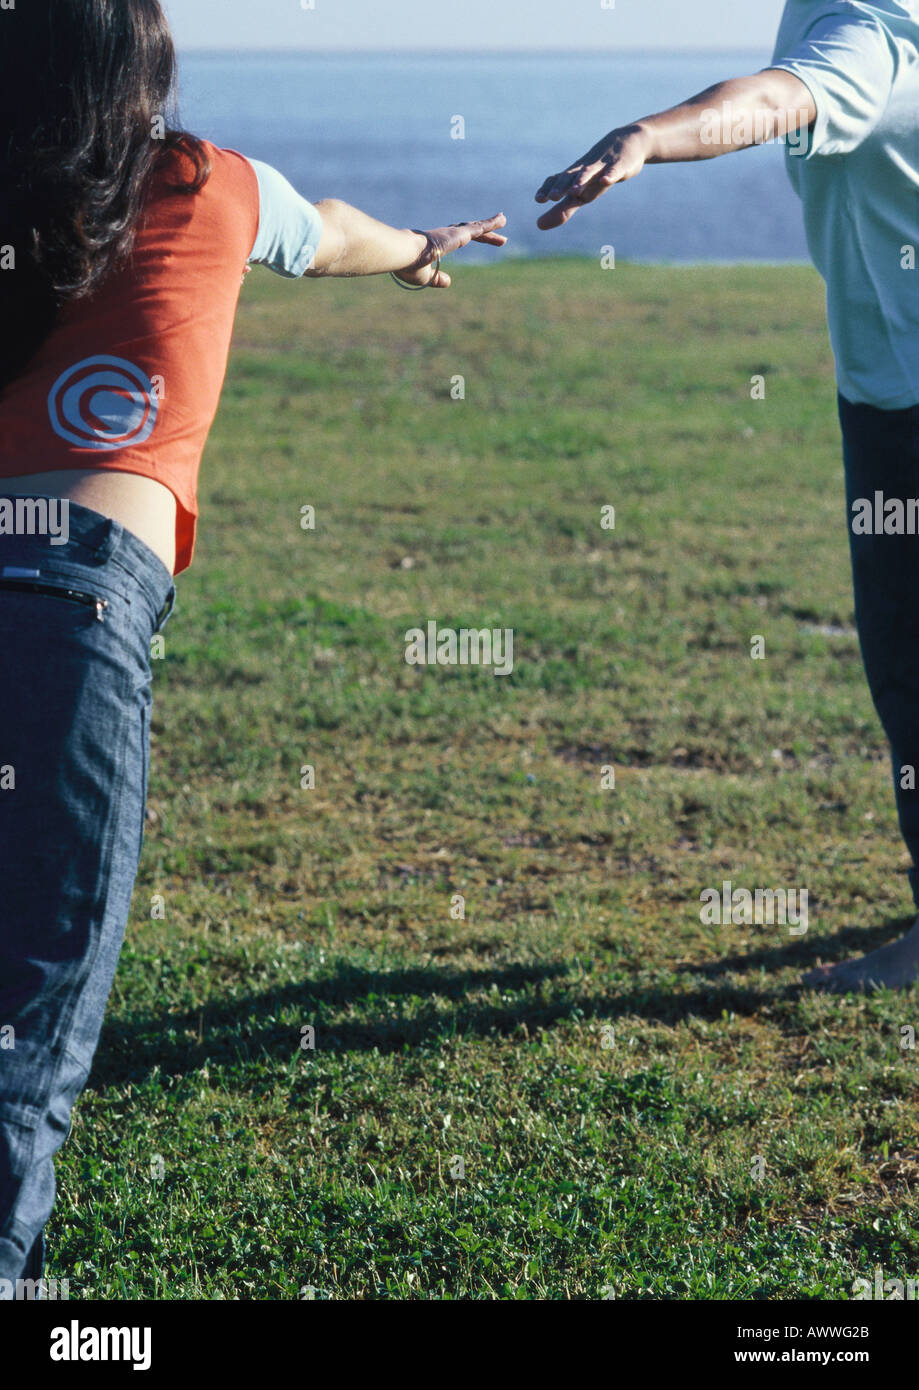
column 140, row 504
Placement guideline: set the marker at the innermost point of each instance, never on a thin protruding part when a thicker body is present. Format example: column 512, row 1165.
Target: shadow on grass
column 247, row 1029
column 238, row 1031
column 804, row 951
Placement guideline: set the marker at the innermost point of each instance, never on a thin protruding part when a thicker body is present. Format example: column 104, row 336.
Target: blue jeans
column 76, row 624
column 881, row 449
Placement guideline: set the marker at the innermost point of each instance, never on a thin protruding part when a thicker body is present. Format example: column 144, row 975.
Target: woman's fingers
column 449, row 239
column 491, row 224
column 485, row 230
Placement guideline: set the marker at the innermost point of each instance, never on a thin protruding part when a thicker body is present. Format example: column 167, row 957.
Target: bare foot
column 895, row 966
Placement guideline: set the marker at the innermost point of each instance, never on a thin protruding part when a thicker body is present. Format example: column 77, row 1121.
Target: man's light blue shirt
column 858, row 179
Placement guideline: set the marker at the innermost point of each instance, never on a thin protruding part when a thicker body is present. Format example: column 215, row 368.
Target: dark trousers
column 881, row 450
column 76, row 621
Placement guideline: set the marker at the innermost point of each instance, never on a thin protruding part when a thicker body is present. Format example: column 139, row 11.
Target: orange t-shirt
column 130, row 378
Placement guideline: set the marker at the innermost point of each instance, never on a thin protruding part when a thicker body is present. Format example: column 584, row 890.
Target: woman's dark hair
column 84, row 89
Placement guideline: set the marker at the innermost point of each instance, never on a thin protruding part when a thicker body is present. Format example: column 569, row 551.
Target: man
column 843, row 90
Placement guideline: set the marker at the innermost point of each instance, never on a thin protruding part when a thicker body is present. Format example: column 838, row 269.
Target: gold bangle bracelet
column 435, row 262
column 403, row 286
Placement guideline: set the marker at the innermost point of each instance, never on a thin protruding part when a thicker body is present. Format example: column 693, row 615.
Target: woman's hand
column 618, row 156
column 443, row 241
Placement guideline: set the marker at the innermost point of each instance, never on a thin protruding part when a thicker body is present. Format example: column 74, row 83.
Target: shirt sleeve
column 849, row 65
column 289, row 227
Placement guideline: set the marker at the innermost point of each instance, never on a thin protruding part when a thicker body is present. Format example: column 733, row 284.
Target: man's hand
column 444, row 240
column 730, row 116
column 618, row 156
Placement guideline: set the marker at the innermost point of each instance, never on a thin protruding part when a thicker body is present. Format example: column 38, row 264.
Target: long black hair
column 84, row 91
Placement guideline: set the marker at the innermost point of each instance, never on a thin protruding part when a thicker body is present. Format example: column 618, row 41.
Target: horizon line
column 322, row 50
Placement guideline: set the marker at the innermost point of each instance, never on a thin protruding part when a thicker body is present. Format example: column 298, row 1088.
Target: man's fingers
column 560, row 214
column 573, row 179
column 597, row 186
column 555, row 186
column 558, row 185
column 579, row 195
column 595, row 181
column 542, row 195
column 587, row 175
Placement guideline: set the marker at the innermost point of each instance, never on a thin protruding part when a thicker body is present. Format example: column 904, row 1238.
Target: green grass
column 587, row 1168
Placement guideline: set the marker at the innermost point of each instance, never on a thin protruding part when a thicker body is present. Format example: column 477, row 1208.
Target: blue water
column 375, row 130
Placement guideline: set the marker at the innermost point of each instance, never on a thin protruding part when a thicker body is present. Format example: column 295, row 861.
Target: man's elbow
column 788, row 99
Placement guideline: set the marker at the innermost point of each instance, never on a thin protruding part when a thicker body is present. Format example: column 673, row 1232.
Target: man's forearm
column 353, row 243
column 731, row 115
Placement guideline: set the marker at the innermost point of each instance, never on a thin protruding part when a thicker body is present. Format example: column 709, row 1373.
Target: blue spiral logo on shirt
column 103, row 403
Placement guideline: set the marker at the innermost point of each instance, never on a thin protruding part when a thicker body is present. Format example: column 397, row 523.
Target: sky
column 675, row 25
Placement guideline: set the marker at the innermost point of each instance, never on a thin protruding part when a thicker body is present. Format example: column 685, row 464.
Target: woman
column 843, row 88
column 124, row 244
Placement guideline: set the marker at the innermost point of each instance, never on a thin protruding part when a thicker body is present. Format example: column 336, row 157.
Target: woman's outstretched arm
column 732, row 115
column 352, row 243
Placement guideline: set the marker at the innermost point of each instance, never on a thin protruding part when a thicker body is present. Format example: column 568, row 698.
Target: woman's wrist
column 421, row 245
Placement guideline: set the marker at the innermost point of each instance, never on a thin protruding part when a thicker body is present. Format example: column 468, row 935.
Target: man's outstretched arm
column 732, row 115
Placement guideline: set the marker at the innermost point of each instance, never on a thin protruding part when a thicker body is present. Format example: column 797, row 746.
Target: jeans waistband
column 88, row 538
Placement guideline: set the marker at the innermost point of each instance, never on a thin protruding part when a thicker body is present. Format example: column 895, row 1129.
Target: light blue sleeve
column 849, row 65
column 289, row 227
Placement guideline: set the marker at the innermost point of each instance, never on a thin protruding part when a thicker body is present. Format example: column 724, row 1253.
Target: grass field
column 214, row 1156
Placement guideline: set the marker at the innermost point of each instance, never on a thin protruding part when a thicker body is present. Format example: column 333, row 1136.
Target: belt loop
column 166, row 611
column 110, row 541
